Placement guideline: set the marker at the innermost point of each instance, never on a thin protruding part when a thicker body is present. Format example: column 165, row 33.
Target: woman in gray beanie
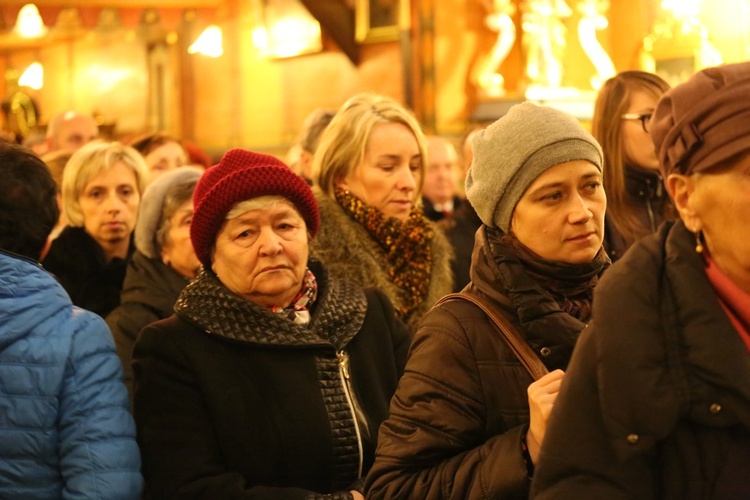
column 467, row 419
column 656, row 403
column 163, row 263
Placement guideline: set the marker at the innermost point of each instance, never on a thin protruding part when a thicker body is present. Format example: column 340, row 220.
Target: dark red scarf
column 734, row 301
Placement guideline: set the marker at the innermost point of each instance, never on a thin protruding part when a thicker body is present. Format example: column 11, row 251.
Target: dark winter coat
column 349, row 252
column 656, row 403
column 460, row 231
column 79, row 263
column 234, row 401
column 461, row 409
column 645, row 190
column 428, row 209
column 148, row 294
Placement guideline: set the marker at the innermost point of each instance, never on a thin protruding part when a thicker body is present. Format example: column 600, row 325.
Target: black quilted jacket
column 233, row 401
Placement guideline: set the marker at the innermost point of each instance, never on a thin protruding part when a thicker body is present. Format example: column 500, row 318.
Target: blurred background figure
column 462, row 227
column 101, row 191
column 368, row 172
column 656, row 402
column 197, row 156
column 637, row 202
column 66, row 431
column 36, row 141
column 272, row 378
column 162, row 153
column 70, row 131
column 56, row 162
column 163, row 263
column 301, row 154
column 439, row 198
column 467, row 157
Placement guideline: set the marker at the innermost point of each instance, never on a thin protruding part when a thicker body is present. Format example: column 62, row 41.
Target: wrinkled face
column 109, row 203
column 440, row 174
column 717, row 202
column 560, row 217
column 388, row 176
column 262, row 254
column 637, row 145
column 76, row 133
column 178, row 250
column 166, row 157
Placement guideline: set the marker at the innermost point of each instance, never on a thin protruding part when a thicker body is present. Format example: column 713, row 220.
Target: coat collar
column 337, row 315
column 497, row 273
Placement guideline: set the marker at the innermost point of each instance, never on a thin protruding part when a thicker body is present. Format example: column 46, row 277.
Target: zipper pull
column 344, row 363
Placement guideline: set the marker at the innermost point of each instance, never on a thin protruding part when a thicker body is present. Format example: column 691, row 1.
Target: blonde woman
column 101, row 192
column 368, row 172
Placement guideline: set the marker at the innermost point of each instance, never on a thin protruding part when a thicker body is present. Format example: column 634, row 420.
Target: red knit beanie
column 243, row 175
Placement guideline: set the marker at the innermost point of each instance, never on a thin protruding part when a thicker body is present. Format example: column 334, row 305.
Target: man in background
column 439, row 197
column 300, row 157
column 69, row 131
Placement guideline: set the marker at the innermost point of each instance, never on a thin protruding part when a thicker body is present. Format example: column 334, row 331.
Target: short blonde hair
column 343, row 143
column 88, row 162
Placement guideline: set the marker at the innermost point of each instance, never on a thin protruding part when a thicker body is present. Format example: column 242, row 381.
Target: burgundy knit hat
column 706, row 120
column 242, row 175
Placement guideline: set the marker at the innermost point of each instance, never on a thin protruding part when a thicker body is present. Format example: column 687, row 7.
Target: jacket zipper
column 344, row 374
column 651, row 216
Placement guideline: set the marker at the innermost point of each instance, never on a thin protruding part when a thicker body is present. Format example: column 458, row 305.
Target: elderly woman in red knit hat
column 271, row 379
column 656, row 401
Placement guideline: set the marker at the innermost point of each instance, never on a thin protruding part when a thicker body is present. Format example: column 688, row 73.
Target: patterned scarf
column 406, row 246
column 571, row 285
column 298, row 310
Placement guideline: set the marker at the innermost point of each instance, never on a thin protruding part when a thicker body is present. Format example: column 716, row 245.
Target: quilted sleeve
column 99, row 456
column 432, row 446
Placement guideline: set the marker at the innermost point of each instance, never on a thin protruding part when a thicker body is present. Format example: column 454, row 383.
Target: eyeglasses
column 645, row 118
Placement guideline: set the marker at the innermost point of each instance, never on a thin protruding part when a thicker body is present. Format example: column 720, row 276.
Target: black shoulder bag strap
column 513, row 338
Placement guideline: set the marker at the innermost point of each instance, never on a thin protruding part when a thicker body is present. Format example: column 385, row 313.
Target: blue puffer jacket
column 65, row 428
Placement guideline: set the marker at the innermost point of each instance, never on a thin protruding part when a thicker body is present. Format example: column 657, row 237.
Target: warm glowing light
column 260, row 38
column 33, row 77
column 285, row 32
column 294, row 36
column 208, row 43
column 682, row 9
column 29, row 23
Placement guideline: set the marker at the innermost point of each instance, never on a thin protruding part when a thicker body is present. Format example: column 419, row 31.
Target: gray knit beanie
column 512, row 152
column 152, row 206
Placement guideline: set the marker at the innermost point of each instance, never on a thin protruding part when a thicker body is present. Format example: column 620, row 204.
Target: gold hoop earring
column 698, row 243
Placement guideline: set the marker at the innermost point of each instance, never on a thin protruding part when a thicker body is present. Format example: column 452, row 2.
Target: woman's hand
column 542, row 395
column 357, row 495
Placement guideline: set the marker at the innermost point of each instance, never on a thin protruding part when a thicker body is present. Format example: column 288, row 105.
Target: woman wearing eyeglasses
column 636, row 200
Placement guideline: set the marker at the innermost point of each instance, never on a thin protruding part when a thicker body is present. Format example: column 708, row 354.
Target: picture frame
column 379, row 20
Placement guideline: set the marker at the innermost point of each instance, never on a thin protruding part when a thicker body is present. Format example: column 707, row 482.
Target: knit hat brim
column 512, row 152
column 152, row 206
